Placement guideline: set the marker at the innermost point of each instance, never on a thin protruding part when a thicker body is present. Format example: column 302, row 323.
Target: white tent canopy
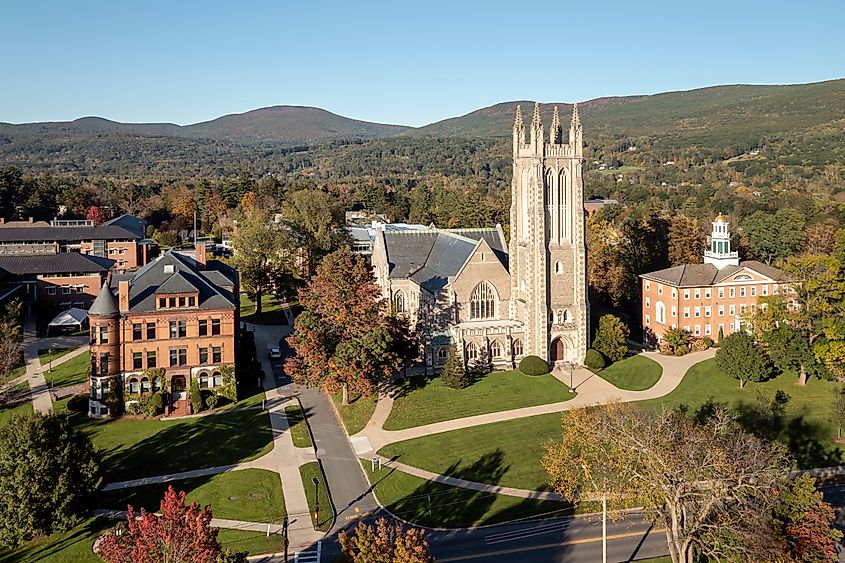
column 70, row 318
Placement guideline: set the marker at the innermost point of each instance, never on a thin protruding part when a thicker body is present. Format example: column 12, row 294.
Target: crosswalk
column 313, row 554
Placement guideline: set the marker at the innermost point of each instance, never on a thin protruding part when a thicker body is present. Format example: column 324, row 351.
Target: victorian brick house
column 177, row 313
column 709, row 298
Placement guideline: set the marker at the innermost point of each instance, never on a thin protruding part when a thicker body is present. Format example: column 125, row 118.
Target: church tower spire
column 576, row 134
column 554, row 131
column 536, row 126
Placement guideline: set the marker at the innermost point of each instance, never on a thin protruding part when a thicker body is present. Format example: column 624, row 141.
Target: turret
column 518, row 131
column 720, row 254
column 555, row 136
column 576, row 133
column 104, row 321
column 536, row 129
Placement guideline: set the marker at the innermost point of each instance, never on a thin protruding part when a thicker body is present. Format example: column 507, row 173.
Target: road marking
column 547, row 546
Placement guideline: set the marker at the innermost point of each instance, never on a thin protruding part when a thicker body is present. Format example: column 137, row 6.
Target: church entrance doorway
column 558, row 351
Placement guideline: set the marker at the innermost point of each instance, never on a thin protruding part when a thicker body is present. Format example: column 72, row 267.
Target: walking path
column 216, row 522
column 264, row 462
column 592, row 390
column 42, row 401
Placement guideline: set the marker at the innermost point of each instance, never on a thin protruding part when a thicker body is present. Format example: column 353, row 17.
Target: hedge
column 532, row 365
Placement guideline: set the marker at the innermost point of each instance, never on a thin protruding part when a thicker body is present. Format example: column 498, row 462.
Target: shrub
column 133, row 408
column 593, row 359
column 675, row 342
column 196, row 397
column 78, row 403
column 611, row 338
column 454, row 375
column 708, row 341
column 211, row 401
column 699, row 345
column 158, row 402
column 532, row 365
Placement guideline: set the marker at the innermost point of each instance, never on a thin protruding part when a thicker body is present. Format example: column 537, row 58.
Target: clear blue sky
column 410, row 62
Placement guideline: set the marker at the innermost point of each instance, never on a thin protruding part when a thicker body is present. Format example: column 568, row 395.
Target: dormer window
column 168, row 268
column 179, row 301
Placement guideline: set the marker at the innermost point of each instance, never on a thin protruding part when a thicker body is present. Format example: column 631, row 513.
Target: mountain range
column 712, row 116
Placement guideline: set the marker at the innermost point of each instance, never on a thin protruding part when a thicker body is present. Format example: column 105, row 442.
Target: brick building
column 710, row 297
column 113, row 241
column 176, row 313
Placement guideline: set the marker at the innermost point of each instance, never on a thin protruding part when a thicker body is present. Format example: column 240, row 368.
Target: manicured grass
column 24, row 407
column 254, row 495
column 357, row 413
column 72, row 372
column 424, row 400
column 298, row 427
column 427, row 503
column 805, row 428
column 147, row 447
column 252, row 542
column 14, row 374
column 636, row 373
column 308, row 472
column 73, row 546
column 272, row 312
column 44, row 354
column 517, row 445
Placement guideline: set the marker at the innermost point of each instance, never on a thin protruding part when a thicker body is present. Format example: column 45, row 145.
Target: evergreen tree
column 611, row 338
column 454, row 373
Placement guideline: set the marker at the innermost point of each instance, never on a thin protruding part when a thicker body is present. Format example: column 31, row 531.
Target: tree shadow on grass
column 209, row 441
column 46, row 549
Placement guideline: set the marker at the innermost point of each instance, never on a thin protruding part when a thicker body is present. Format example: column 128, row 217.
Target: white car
column 275, row 354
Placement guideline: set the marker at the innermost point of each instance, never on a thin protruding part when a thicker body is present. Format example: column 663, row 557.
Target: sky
column 403, row 61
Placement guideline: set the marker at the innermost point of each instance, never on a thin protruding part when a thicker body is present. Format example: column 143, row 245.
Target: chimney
column 123, row 295
column 199, row 255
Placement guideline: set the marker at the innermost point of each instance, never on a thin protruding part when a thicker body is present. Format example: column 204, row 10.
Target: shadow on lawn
column 405, row 386
column 87, row 532
column 219, row 439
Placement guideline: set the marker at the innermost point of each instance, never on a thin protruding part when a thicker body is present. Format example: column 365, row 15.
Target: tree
column 182, row 534
column 686, row 241
column 10, row 338
column 344, row 336
column 385, row 543
column 790, row 349
column 676, row 340
column 611, row 338
column 807, row 522
column 700, row 482
column 741, row 358
column 180, row 201
column 316, row 221
column 775, row 236
column 49, row 475
column 95, row 214
column 454, row 373
column 261, row 255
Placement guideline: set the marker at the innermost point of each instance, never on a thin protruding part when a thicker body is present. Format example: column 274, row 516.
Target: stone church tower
column 547, row 249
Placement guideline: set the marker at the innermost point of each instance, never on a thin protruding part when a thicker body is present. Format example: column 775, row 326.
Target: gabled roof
column 174, row 271
column 104, row 305
column 62, row 263
column 698, row 275
column 430, row 257
column 131, row 223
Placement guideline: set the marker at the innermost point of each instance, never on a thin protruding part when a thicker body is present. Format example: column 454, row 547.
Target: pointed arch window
column 496, row 350
column 472, row 351
column 482, row 302
column 517, row 347
column 399, row 304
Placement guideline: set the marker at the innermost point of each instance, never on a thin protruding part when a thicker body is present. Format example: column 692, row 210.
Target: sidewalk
column 592, row 390
column 42, row 401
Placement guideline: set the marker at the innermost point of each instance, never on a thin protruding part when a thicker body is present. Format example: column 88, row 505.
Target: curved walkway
column 592, row 390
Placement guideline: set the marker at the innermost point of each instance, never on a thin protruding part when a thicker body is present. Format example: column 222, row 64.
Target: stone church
column 500, row 300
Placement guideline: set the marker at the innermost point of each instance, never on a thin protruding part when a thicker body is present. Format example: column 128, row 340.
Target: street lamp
column 50, row 356
column 571, row 375
column 316, row 499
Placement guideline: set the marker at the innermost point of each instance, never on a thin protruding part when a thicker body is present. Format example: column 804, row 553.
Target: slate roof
column 104, row 305
column 72, row 234
column 131, row 223
column 430, row 257
column 62, row 263
column 697, row 275
column 185, row 275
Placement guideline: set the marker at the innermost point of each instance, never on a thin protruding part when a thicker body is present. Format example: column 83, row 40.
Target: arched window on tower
column 482, row 302
column 567, row 316
column 399, row 301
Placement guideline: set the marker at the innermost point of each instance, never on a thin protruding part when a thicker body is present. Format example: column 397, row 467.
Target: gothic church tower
column 547, row 250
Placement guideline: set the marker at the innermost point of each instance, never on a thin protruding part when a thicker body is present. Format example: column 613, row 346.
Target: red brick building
column 707, row 298
column 176, row 313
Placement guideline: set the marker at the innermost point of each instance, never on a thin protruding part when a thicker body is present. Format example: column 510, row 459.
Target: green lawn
column 272, row 312
column 357, row 413
column 147, row 447
column 254, row 495
column 44, row 354
column 427, row 503
column 516, row 446
column 636, row 373
column 298, row 427
column 326, row 514
column 425, row 399
column 14, row 374
column 72, row 372
column 74, row 546
column 24, row 407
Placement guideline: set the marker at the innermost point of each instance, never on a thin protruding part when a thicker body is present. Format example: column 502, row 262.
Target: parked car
column 275, row 354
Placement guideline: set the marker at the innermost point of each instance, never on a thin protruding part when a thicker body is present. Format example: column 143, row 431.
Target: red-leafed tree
column 345, row 336
column 182, row 534
column 807, row 522
column 95, row 214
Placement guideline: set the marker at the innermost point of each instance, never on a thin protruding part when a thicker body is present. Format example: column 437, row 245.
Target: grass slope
column 272, row 312
column 309, row 472
column 254, row 495
column 424, row 400
column 45, row 354
column 357, row 413
column 72, row 372
column 636, row 373
column 19, row 406
column 298, row 427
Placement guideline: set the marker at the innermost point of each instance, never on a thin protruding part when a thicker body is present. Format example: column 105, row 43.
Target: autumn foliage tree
column 384, row 543
column 807, row 522
column 686, row 241
column 182, row 534
column 95, row 214
column 344, row 337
